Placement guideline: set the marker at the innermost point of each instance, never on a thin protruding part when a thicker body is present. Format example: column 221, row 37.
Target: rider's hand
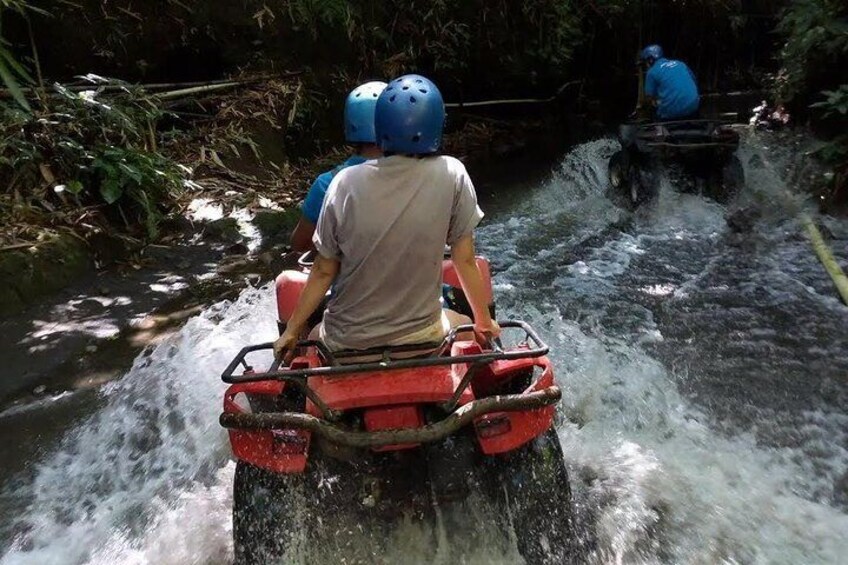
column 284, row 347
column 486, row 330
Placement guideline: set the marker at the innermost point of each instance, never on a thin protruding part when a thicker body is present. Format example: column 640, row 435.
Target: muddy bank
column 28, row 273
column 89, row 332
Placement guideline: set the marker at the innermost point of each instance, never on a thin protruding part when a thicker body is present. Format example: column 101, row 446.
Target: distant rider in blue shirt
column 670, row 85
column 359, row 132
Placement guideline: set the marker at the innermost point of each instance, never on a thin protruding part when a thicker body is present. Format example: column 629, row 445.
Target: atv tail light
column 289, row 442
column 493, row 426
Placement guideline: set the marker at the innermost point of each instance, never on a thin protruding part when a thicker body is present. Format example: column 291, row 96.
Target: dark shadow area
column 90, row 334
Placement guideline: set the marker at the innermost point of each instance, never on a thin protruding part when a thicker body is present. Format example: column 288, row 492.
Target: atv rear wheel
column 628, row 187
column 533, row 483
column 264, row 519
column 725, row 183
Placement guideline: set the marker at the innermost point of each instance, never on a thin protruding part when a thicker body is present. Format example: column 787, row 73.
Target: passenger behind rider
column 669, row 85
column 359, row 133
column 382, row 231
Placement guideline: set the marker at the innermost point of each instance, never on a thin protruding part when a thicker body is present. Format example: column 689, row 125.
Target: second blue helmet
column 652, row 52
column 410, row 116
column 359, row 112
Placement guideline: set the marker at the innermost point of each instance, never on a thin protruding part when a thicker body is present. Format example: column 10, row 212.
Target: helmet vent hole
column 374, row 95
column 416, row 138
column 412, row 99
column 422, row 90
column 390, row 88
column 358, row 94
column 418, row 81
column 392, row 99
column 406, row 87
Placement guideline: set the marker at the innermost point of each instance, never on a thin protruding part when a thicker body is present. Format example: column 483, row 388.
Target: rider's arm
column 651, row 89
column 465, row 262
column 321, row 277
column 301, row 237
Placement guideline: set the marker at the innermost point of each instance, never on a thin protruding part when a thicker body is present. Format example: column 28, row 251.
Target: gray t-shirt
column 387, row 221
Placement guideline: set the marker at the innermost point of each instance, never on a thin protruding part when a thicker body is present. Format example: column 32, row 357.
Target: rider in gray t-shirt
column 382, row 231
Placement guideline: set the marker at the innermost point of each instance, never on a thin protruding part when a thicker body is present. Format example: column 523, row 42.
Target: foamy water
column 656, row 421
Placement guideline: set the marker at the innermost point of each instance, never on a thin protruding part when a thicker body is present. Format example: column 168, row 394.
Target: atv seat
column 387, row 353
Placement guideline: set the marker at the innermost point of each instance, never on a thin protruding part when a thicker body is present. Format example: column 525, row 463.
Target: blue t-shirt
column 311, row 207
column 673, row 84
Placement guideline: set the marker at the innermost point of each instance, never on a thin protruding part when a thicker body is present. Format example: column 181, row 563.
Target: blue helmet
column 652, row 52
column 359, row 112
column 410, row 116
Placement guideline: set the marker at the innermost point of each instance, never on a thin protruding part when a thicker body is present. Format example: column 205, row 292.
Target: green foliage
column 815, row 52
column 836, row 102
column 98, row 148
column 834, row 106
column 315, row 15
column 12, row 73
column 457, row 36
column 140, row 177
column 816, row 44
column 834, row 151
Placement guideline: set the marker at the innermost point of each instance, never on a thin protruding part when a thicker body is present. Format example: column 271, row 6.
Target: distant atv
column 702, row 150
column 339, row 441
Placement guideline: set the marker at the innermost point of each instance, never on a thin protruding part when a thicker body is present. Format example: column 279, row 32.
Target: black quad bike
column 700, row 154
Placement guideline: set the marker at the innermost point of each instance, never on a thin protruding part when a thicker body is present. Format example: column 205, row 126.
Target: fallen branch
column 19, row 246
column 513, row 100
column 164, row 85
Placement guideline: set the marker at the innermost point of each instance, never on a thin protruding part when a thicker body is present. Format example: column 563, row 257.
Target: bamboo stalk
column 826, row 257
column 196, row 90
column 19, row 246
column 35, row 58
column 167, row 85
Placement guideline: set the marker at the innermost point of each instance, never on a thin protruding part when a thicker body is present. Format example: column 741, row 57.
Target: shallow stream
column 705, row 380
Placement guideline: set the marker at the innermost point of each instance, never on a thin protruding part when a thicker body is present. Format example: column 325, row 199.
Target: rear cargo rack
column 435, row 354
column 435, row 357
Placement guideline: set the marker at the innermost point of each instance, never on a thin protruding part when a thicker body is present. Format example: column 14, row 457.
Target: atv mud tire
column 628, row 186
column 535, row 491
column 264, row 519
column 727, row 182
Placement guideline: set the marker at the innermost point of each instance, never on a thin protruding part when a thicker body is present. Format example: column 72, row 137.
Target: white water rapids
column 704, row 413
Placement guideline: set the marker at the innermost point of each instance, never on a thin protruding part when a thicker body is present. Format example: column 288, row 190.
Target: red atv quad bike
column 388, row 437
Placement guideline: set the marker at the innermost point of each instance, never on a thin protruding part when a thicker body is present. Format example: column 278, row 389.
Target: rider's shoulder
column 451, row 165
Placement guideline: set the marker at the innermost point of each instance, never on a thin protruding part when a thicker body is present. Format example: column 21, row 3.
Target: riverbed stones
column 276, row 223
column 223, row 229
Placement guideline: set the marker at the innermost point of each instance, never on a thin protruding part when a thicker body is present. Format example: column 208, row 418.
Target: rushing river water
column 705, row 380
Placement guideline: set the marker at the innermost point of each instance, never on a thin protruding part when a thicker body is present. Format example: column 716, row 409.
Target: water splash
column 661, row 471
column 658, row 478
column 156, row 437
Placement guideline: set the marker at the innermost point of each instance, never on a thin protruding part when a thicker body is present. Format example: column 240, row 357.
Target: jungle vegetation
column 72, row 143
